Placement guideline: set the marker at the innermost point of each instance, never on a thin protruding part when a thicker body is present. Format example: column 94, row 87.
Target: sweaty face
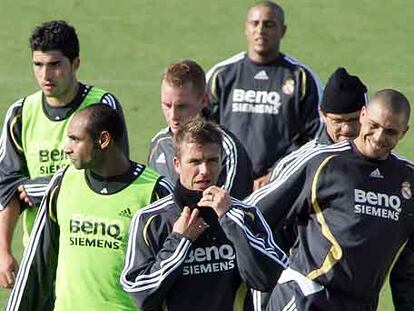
column 264, row 32
column 80, row 146
column 381, row 129
column 55, row 74
column 342, row 126
column 198, row 166
column 179, row 104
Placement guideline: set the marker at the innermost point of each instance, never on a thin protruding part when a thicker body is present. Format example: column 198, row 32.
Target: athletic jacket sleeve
column 276, row 200
column 260, row 261
column 34, row 288
column 113, row 102
column 214, row 90
column 152, row 267
column 162, row 188
column 13, row 170
column 236, row 174
column 280, row 165
column 402, row 279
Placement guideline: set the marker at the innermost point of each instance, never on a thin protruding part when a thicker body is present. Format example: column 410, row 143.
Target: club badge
column 288, row 87
column 406, row 190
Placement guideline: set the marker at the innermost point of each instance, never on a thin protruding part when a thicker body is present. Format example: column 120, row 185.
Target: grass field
column 125, row 45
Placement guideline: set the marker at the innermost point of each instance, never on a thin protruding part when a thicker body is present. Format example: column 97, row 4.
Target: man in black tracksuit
column 353, row 204
column 183, row 97
column 199, row 248
column 344, row 96
column 267, row 99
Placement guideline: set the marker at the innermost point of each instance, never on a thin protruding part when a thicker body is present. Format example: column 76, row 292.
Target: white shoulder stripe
column 292, row 168
column 227, row 61
column 164, row 182
column 4, row 131
column 291, row 157
column 160, row 133
column 109, row 99
column 268, row 249
column 318, row 82
column 230, row 150
column 399, row 157
column 151, row 280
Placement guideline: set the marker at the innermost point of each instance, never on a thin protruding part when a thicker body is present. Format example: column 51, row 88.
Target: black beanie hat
column 343, row 93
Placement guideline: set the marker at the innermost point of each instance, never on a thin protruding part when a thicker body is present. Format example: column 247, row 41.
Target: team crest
column 406, row 190
column 288, row 87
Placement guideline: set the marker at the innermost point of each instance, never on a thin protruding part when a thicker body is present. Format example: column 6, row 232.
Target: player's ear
column 177, row 165
column 104, row 140
column 284, row 30
column 76, row 64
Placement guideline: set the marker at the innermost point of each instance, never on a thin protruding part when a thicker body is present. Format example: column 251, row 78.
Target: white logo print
column 161, row 159
column 261, row 75
column 104, row 190
column 376, row 174
column 377, row 204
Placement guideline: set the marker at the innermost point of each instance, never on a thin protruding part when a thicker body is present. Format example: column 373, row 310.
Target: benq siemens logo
column 256, row 101
column 211, row 259
column 377, row 204
column 95, row 232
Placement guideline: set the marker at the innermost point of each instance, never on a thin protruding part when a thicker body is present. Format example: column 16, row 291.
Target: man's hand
column 216, row 198
column 8, row 265
column 23, row 197
column 8, row 269
column 261, row 181
column 190, row 224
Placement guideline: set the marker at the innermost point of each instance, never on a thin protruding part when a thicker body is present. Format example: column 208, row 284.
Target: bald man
column 352, row 204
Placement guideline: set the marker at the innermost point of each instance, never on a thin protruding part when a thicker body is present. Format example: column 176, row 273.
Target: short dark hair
column 197, row 131
column 395, row 101
column 101, row 118
column 274, row 7
column 55, row 35
column 186, row 71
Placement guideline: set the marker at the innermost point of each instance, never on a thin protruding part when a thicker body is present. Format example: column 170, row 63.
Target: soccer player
column 198, row 248
column 344, row 96
column 34, row 129
column 183, row 97
column 352, row 203
column 78, row 243
column 266, row 98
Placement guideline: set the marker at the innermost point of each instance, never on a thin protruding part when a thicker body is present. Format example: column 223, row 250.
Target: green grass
column 126, row 44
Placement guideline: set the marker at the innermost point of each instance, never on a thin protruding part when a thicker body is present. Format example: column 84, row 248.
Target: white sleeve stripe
column 166, row 184
column 292, row 168
column 109, row 100
column 130, row 252
column 153, row 280
column 240, row 215
column 290, row 158
column 230, row 149
column 227, row 61
column 29, row 252
column 5, row 130
column 167, row 266
column 319, row 85
column 35, row 186
column 258, row 243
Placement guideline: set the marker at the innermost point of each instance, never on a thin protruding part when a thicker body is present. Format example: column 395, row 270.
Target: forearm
column 8, row 220
column 148, row 279
column 260, row 261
